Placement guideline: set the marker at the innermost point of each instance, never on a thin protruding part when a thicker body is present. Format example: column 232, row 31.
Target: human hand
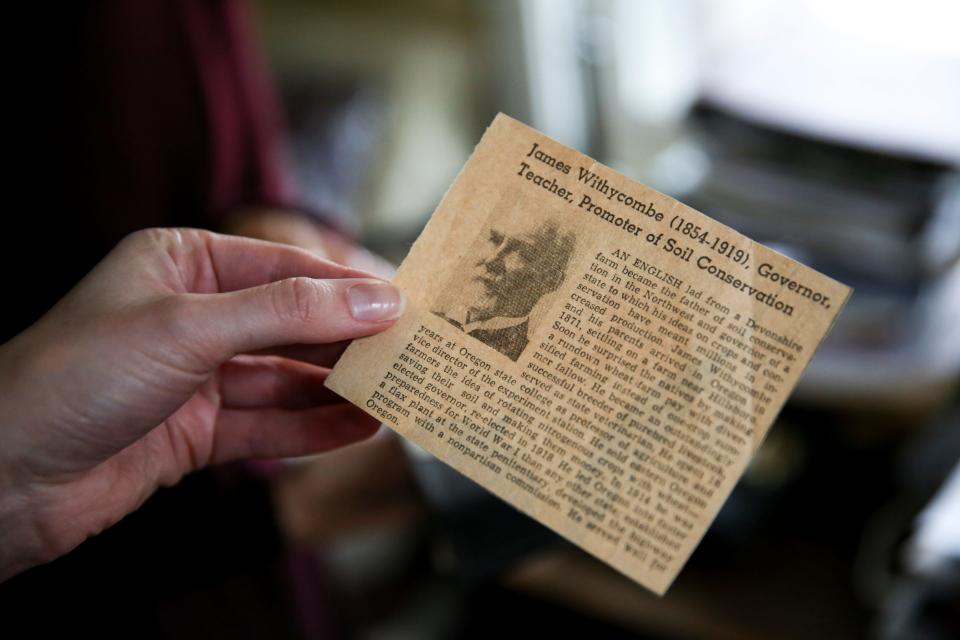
column 286, row 227
column 182, row 348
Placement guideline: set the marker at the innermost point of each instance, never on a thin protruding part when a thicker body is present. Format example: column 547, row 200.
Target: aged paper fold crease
column 599, row 355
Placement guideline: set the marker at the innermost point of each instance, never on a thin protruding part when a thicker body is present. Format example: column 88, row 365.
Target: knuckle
column 148, row 237
column 153, row 242
column 302, row 299
column 168, row 238
column 138, row 241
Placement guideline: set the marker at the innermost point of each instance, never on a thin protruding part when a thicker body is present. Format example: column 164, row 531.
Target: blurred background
column 827, row 129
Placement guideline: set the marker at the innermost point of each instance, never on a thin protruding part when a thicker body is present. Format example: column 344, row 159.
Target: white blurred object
column 940, row 238
column 656, row 63
column 877, row 74
column 937, row 539
column 614, row 78
column 648, row 79
column 555, row 77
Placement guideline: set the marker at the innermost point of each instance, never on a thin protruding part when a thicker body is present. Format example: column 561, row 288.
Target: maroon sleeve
column 246, row 144
column 166, row 116
column 131, row 114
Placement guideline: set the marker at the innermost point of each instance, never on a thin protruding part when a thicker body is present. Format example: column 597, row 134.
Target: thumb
column 295, row 311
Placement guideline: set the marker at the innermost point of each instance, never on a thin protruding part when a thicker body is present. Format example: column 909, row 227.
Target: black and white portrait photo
column 507, row 271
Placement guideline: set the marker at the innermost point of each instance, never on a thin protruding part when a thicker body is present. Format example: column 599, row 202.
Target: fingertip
column 375, row 301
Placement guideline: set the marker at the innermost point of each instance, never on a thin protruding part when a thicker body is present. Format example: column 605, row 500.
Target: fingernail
column 375, row 302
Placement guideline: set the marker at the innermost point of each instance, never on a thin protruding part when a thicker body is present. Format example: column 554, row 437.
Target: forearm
column 20, row 542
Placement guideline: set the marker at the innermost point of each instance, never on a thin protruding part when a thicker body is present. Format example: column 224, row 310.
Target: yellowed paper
column 599, row 355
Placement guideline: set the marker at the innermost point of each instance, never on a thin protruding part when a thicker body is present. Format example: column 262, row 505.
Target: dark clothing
column 133, row 115
column 201, row 560
column 140, row 113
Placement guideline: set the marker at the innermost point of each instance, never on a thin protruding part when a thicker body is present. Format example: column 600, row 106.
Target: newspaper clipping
column 597, row 354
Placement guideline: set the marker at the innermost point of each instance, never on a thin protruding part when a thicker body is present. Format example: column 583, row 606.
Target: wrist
column 22, row 543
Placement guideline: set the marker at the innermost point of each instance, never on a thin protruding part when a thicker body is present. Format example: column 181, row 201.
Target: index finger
column 235, row 263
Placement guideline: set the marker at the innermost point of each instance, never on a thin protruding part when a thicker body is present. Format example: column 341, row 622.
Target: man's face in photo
column 509, row 276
